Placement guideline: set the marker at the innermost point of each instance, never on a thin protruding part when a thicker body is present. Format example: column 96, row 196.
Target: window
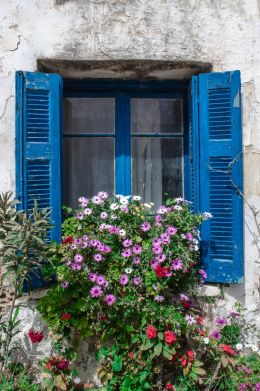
column 125, row 139
column 189, row 133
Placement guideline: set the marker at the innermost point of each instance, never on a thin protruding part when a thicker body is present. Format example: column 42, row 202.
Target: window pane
column 89, row 115
column 88, row 167
column 156, row 116
column 157, row 168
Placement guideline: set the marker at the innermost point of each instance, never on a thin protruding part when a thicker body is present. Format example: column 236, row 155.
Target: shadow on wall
column 59, row 2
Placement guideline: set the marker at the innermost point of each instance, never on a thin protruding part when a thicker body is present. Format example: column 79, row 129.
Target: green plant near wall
column 22, row 250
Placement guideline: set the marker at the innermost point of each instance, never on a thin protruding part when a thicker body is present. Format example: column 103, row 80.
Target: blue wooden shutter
column 38, row 137
column 220, row 174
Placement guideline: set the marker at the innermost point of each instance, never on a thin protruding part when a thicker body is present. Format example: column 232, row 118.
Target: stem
column 215, row 374
column 8, row 332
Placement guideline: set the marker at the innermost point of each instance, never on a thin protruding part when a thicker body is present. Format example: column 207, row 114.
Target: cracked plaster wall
column 222, row 33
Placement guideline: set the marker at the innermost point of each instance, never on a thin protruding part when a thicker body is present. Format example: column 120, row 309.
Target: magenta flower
column 127, row 243
column 157, row 250
column 93, row 243
column 107, row 249
column 137, row 261
column 76, row 266
column 137, row 281
column 65, row 284
column 171, row 231
column 234, row 313
column 98, row 257
column 158, row 221
column 184, row 297
column 189, row 236
column 78, row 258
column 145, row 226
column 126, row 253
column 177, row 264
column 156, row 242
column 161, row 258
column 100, row 280
column 137, row 249
column 78, row 241
column 92, row 276
column 216, row 334
column 202, row 273
column 154, row 263
column 165, row 239
column 114, row 230
column 96, row 291
column 110, row 299
column 100, row 247
column 221, row 322
column 123, row 279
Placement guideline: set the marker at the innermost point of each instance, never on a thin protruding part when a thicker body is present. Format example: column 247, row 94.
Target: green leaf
column 158, row 349
column 148, row 345
column 199, row 371
column 160, row 336
column 117, row 364
column 167, row 354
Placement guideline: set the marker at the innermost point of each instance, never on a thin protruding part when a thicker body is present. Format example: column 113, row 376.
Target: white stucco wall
column 223, row 33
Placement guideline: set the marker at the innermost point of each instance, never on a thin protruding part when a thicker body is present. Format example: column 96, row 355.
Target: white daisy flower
column 136, row 198
column 128, row 270
column 206, row 340
column 122, row 232
column 114, row 206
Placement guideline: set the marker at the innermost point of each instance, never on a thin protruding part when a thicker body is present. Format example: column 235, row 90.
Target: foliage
column 21, row 381
column 22, row 250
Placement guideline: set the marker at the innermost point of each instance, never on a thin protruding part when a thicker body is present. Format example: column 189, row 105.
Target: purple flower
column 189, row 236
column 96, row 291
column 257, row 387
column 124, row 209
column 202, row 273
column 126, row 253
column 97, row 200
column 145, row 226
column 92, row 276
column 156, row 242
column 102, row 194
column 234, row 313
column 78, row 241
column 69, row 263
column 161, row 258
column 100, row 247
column 177, row 264
column 159, row 298
column 137, row 281
column 93, row 243
column 84, row 245
column 171, row 231
column 221, row 322
column 107, row 249
column 123, row 279
column 87, row 211
column 103, row 215
column 242, row 387
column 80, row 216
column 136, row 261
column 157, row 250
column 114, row 230
column 158, row 221
column 76, row 266
column 137, row 249
column 165, row 239
column 98, row 257
column 100, row 280
column 78, row 258
column 73, row 247
column 154, row 263
column 216, row 334
column 127, row 243
column 65, row 284
column 110, row 299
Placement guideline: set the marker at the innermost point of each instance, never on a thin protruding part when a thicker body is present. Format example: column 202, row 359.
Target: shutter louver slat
column 220, row 143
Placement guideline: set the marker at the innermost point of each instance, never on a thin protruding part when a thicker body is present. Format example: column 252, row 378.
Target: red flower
column 163, row 271
column 103, row 317
column 67, row 240
column 131, row 355
column 202, row 332
column 170, row 387
column 63, row 364
column 35, row 336
column 169, row 337
column 185, row 304
column 48, row 365
column 200, row 320
column 183, row 361
column 66, row 316
column 190, row 354
column 168, row 326
column 151, row 332
column 228, row 349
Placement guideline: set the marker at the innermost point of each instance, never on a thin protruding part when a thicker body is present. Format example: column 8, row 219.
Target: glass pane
column 156, row 116
column 157, row 168
column 88, row 167
column 89, row 115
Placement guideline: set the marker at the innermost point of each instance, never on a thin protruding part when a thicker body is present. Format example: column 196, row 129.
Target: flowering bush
column 130, row 276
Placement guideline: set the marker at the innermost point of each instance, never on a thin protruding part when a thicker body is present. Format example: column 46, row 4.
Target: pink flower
column 161, row 258
column 96, row 291
column 98, row 257
column 177, row 264
column 221, row 322
column 189, row 236
column 110, row 299
column 127, row 243
column 65, row 284
column 126, row 253
column 145, row 226
column 171, row 231
column 136, row 261
column 92, row 277
column 78, row 258
column 165, row 239
column 157, row 250
column 137, row 249
column 137, row 281
column 216, row 334
column 123, row 279
column 202, row 273
column 100, row 280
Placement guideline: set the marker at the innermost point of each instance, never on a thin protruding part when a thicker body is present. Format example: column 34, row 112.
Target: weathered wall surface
column 223, row 33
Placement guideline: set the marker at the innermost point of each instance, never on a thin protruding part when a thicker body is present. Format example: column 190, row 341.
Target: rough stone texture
column 67, row 32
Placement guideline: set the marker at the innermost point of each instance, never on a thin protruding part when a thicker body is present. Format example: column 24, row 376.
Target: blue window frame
column 212, row 139
column 124, row 94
